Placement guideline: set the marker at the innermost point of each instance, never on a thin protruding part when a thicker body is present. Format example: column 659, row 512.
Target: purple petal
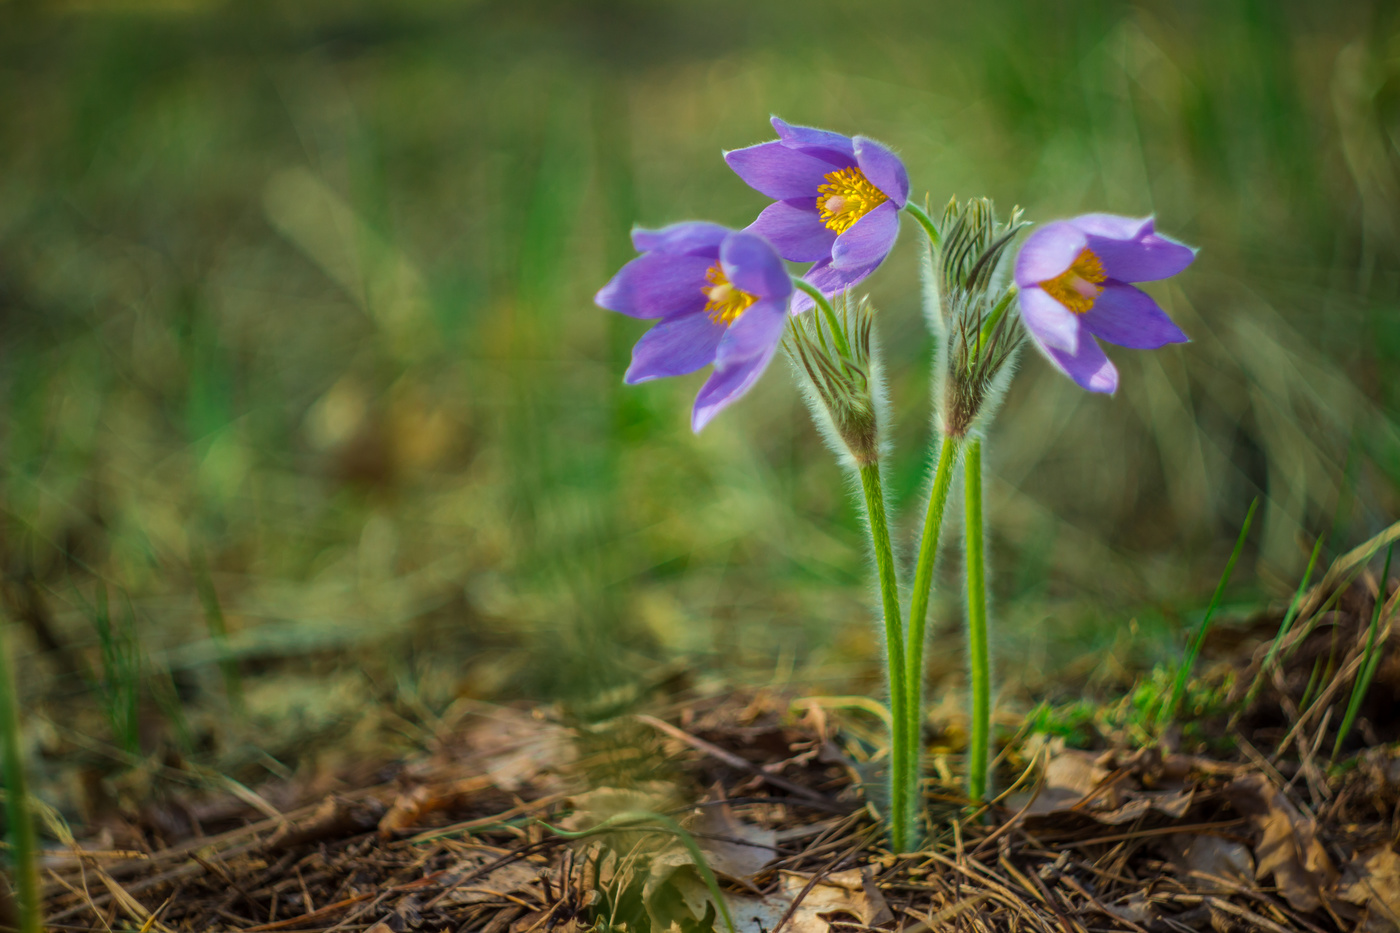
column 756, row 332
column 695, row 238
column 1129, row 317
column 1047, row 252
column 869, row 240
column 833, row 147
column 884, row 169
column 795, row 229
column 724, row 387
column 1088, row 367
column 830, row 281
column 749, row 352
column 751, row 265
column 657, row 285
column 1112, row 226
column 1049, row 322
column 779, row 172
column 1146, row 259
column 678, row 345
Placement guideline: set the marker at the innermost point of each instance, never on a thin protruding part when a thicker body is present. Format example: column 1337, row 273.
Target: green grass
column 308, row 293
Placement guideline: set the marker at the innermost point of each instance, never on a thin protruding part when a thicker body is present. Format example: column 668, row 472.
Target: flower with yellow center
column 723, row 302
column 1080, row 285
column 846, row 197
column 1075, row 280
column 720, row 297
column 836, row 202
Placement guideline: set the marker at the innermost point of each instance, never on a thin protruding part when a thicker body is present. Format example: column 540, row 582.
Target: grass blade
column 1289, row 618
column 24, row 845
column 1184, row 673
column 1369, row 661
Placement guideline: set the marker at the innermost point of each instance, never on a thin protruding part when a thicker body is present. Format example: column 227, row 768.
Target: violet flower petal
column 735, row 374
column 1112, row 226
column 1130, row 318
column 694, row 238
column 757, row 331
column 884, row 169
column 1048, row 252
column 869, row 240
column 1049, row 322
column 795, row 229
column 678, row 345
column 833, row 147
column 751, row 265
column 1089, row 367
column 657, row 285
column 779, row 172
column 829, row 280
column 1146, row 259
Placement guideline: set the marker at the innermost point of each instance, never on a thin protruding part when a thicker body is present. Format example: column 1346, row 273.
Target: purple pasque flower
column 837, row 202
column 1074, row 275
column 722, row 298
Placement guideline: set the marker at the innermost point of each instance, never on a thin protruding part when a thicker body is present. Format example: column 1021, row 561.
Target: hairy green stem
column 838, row 333
column 978, row 660
column 24, row 846
column 900, row 836
column 913, row 210
column 918, row 610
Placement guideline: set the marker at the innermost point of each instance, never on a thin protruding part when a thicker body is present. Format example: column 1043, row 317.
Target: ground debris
column 465, row 839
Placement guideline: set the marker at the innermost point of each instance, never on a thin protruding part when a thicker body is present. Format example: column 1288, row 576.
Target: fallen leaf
column 733, row 849
column 516, row 748
column 509, row 878
column 1210, row 855
column 1288, row 848
column 1069, row 777
column 1372, row 880
column 851, row 892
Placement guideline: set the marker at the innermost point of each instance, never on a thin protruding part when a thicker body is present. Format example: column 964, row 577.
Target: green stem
column 838, row 333
column 918, row 607
column 894, row 646
column 913, row 210
column 24, row 846
column 979, row 664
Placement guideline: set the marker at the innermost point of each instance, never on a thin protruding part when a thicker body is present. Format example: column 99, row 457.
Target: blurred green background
column 310, row 426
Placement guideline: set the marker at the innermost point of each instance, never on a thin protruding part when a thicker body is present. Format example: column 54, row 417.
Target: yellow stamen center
column 1079, row 286
column 725, row 302
column 846, row 197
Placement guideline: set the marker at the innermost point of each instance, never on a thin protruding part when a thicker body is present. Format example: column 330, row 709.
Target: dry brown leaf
column 850, row 892
column 510, row 878
column 514, row 748
column 1372, row 880
column 1210, row 855
column 1288, row 848
column 1173, row 803
column 733, row 849
column 1069, row 777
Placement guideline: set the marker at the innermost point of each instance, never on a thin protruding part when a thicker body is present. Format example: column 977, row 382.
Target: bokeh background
column 311, row 429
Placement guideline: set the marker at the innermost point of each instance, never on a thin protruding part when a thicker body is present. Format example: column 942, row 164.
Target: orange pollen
column 724, row 303
column 1079, row 286
column 846, row 197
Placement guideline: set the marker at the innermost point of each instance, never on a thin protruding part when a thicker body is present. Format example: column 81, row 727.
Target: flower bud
column 976, row 316
column 842, row 390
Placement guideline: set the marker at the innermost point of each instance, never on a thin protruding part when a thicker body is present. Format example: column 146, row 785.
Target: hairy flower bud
column 835, row 357
column 976, row 315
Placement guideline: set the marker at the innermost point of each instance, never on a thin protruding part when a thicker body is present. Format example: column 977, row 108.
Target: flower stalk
column 901, row 809
column 978, row 652
column 918, row 605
